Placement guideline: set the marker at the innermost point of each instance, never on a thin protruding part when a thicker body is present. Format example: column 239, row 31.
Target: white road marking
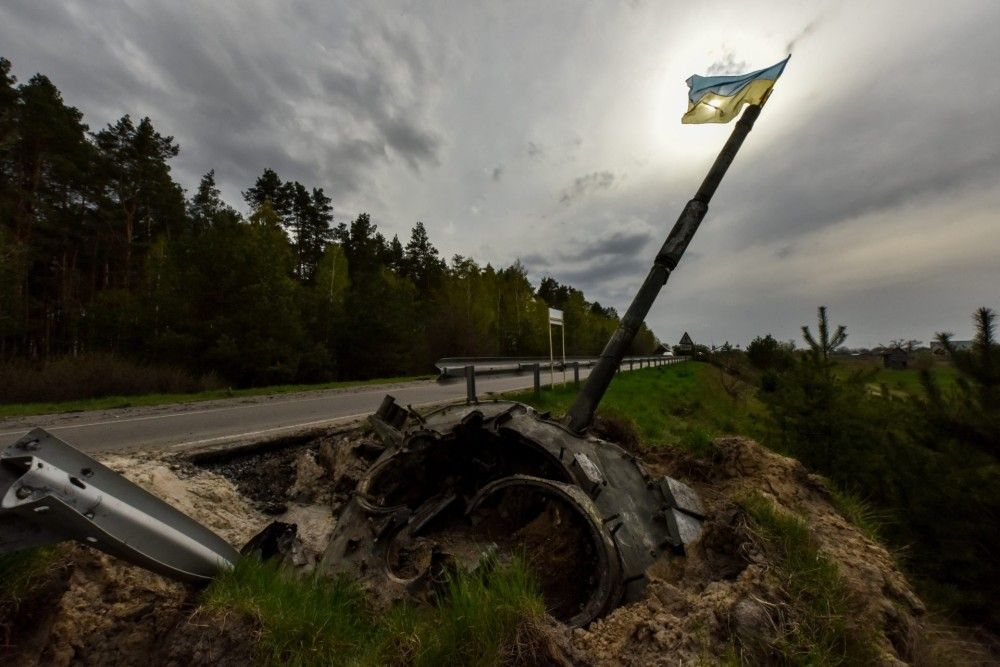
column 206, row 411
column 331, row 420
column 194, row 443
column 211, row 410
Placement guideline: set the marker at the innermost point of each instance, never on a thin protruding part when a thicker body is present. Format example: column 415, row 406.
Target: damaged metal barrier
column 466, row 483
column 51, row 492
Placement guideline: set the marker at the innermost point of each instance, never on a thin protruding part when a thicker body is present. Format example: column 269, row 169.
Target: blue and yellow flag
column 718, row 99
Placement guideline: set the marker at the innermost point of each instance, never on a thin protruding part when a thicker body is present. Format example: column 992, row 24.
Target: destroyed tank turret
column 465, row 483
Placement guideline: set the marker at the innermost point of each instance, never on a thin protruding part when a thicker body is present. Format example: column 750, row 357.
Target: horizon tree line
column 100, row 251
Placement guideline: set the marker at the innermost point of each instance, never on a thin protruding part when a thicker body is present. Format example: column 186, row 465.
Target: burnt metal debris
column 461, row 485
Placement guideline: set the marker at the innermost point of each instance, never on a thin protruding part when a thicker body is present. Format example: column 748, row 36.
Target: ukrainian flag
column 718, row 99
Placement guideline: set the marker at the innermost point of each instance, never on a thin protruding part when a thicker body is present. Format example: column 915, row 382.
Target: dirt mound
column 726, row 597
column 115, row 614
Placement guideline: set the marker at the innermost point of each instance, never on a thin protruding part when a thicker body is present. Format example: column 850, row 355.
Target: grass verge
column 860, row 513
column 479, row 619
column 681, row 404
column 110, row 402
column 825, row 625
column 901, row 382
column 20, row 573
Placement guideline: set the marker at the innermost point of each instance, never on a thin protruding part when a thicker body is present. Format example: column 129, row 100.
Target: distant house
column 685, row 346
column 895, row 358
column 938, row 350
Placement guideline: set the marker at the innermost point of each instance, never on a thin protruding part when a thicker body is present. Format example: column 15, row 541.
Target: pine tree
column 206, row 205
column 267, row 188
column 421, row 262
column 821, row 349
column 316, row 231
column 47, row 200
column 970, row 413
column 395, row 259
column 144, row 200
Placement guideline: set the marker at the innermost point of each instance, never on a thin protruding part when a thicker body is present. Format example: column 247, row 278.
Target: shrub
column 767, row 354
column 94, row 376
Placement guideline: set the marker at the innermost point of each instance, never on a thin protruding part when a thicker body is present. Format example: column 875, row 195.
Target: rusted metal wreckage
column 466, row 482
column 453, row 488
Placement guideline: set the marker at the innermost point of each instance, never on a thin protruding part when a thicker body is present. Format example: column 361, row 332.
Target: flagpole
column 581, row 413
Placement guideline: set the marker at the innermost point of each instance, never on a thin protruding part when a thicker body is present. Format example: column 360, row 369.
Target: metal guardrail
column 50, row 492
column 470, row 367
column 454, row 367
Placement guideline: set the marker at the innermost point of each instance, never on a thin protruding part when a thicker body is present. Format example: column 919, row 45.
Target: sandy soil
column 724, row 596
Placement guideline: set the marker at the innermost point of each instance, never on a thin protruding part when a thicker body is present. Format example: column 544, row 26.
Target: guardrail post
column 536, row 369
column 470, row 385
column 576, row 373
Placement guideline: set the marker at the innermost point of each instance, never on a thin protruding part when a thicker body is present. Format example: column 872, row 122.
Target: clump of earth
column 721, row 597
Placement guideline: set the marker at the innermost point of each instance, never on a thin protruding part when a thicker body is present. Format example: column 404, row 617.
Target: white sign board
column 555, row 316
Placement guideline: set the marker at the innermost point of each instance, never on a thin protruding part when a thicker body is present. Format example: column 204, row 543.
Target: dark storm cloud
column 596, row 265
column 586, row 185
column 617, row 244
column 231, row 94
column 595, row 274
column 535, row 261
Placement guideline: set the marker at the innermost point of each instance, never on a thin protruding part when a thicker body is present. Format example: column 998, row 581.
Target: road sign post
column 556, row 319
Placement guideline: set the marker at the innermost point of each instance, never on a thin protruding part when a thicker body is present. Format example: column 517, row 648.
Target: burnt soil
column 262, row 477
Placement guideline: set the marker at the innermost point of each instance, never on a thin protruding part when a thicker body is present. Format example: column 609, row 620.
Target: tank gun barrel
column 581, row 413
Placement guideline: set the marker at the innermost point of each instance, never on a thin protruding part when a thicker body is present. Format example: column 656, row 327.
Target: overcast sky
column 551, row 132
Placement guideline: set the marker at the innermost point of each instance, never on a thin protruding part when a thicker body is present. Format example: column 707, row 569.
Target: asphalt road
column 193, row 425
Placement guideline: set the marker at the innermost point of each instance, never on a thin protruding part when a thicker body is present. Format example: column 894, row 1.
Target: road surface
column 193, row 425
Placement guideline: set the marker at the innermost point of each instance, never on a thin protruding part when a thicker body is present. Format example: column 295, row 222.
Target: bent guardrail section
column 51, row 492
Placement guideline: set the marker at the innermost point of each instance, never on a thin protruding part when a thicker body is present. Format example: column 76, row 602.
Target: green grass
column 825, row 626
column 901, row 382
column 860, row 513
column 21, row 572
column 109, row 402
column 682, row 404
column 478, row 620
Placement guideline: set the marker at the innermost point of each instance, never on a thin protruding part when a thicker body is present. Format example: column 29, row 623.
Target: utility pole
column 581, row 413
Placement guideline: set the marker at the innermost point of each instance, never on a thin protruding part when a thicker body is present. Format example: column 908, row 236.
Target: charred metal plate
column 471, row 480
column 683, row 497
